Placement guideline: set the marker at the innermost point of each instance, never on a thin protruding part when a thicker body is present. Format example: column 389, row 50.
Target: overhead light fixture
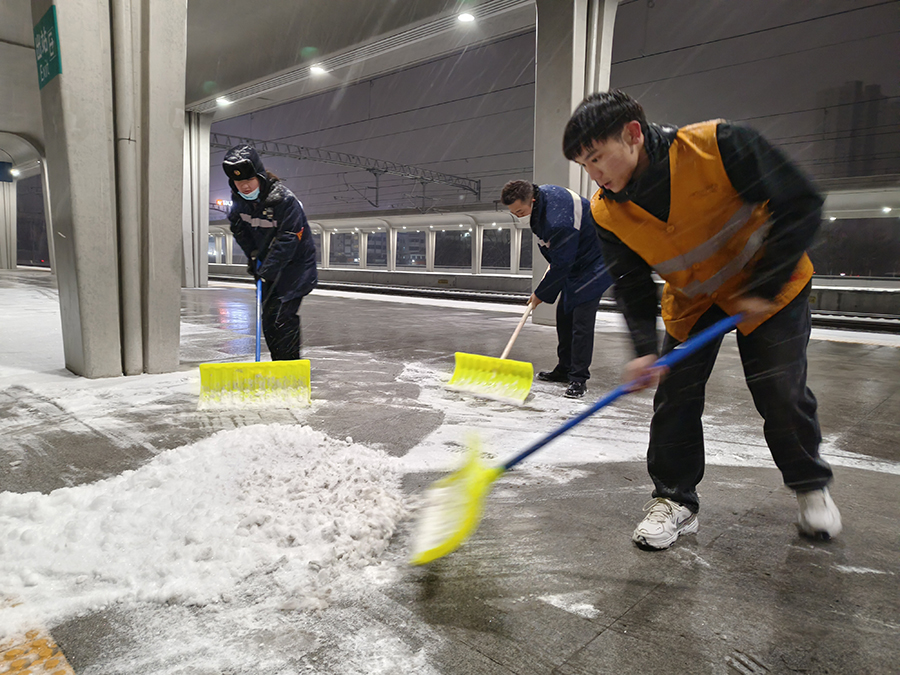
column 222, row 101
column 15, row 172
column 832, row 219
column 465, row 17
column 317, row 70
column 886, row 209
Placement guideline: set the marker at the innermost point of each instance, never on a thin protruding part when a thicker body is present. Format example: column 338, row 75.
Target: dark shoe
column 553, row 376
column 576, row 390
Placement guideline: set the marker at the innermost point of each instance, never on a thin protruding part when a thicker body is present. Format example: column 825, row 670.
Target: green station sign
column 46, row 47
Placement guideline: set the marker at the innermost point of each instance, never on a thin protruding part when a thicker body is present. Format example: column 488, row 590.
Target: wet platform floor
column 550, row 583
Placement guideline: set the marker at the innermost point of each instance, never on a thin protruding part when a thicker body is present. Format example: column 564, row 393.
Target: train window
column 495, row 250
column 317, row 240
column 344, row 248
column 453, row 249
column 411, row 249
column 376, row 249
column 525, row 250
column 858, row 247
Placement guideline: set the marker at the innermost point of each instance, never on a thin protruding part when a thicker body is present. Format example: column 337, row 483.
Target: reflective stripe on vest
column 754, row 243
column 682, row 263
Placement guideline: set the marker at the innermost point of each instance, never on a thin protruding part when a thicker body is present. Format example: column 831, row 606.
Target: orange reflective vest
column 706, row 249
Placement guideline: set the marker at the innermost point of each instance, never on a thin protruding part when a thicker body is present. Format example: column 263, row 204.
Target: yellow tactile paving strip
column 37, row 654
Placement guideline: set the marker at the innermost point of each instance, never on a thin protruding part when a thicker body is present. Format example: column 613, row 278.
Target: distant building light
column 224, row 202
column 465, row 17
column 317, row 70
column 886, row 209
column 222, row 101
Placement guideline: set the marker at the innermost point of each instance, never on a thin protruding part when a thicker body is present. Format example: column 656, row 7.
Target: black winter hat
column 242, row 162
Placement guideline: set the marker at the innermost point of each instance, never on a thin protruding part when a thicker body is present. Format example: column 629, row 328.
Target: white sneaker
column 665, row 521
column 818, row 517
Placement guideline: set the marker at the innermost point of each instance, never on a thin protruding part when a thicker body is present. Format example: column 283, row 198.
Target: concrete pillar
column 391, row 248
column 126, row 40
column 8, row 225
column 574, row 49
column 326, row 249
column 113, row 125
column 515, row 249
column 430, row 241
column 48, row 217
column 78, row 131
column 195, row 224
column 363, row 250
column 164, row 59
column 477, row 247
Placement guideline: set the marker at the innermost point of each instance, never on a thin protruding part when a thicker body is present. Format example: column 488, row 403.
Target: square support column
column 574, row 48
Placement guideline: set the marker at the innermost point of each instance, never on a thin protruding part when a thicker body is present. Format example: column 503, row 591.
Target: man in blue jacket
column 566, row 233
column 269, row 224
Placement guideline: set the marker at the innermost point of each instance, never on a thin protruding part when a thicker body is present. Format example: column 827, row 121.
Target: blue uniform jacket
column 275, row 226
column 567, row 237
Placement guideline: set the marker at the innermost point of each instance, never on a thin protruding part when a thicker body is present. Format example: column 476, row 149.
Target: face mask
column 250, row 197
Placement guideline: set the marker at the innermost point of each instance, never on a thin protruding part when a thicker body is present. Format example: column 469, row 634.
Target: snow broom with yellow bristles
column 279, row 384
column 453, row 505
column 502, row 379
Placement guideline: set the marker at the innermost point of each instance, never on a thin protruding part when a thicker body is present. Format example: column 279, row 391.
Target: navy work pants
column 774, row 360
column 575, row 332
column 281, row 326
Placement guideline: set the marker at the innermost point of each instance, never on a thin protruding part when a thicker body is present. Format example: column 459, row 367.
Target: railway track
column 875, row 323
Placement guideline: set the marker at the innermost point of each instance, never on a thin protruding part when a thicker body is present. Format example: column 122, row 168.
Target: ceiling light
column 317, row 70
column 15, row 172
column 466, row 17
column 222, row 101
column 832, row 219
column 886, row 209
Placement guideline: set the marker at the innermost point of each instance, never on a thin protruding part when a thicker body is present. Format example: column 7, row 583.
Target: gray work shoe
column 663, row 524
column 819, row 517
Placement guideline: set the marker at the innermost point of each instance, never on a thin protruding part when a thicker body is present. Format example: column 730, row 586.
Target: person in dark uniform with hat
column 269, row 224
column 566, row 235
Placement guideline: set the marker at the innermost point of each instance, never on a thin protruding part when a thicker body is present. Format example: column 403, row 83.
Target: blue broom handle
column 258, row 317
column 680, row 352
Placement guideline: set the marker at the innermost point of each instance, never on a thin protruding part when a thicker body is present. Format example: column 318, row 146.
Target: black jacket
column 273, row 227
column 566, row 235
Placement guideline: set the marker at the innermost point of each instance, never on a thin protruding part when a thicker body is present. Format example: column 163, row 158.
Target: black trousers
column 575, row 333
column 281, row 326
column 774, row 360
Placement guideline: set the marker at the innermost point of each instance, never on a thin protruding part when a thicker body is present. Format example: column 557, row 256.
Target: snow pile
column 199, row 523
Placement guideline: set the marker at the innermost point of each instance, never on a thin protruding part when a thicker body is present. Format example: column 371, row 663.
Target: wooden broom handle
column 517, row 330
